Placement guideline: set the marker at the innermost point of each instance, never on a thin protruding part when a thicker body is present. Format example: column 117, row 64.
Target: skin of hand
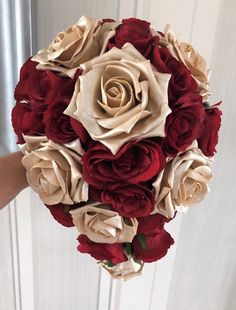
column 12, row 177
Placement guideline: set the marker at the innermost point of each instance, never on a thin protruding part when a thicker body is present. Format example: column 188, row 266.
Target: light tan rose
column 184, row 52
column 102, row 225
column 125, row 270
column 120, row 97
column 182, row 183
column 79, row 43
column 54, row 171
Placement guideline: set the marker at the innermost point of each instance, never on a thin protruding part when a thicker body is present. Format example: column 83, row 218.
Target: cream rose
column 102, row 225
column 79, row 43
column 120, row 97
column 191, row 58
column 54, row 171
column 125, row 270
column 182, row 183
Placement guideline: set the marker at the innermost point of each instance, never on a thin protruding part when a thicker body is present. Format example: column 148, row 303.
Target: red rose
column 129, row 200
column 151, row 224
column 184, row 124
column 153, row 247
column 42, row 87
column 181, row 81
column 58, row 125
column 61, row 214
column 209, row 137
column 25, row 121
column 102, row 251
column 80, row 131
column 135, row 162
column 135, row 31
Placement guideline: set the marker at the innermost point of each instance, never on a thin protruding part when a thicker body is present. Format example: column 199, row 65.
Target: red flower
column 181, row 81
column 152, row 247
column 36, row 90
column 58, row 125
column 61, row 214
column 41, row 87
column 151, row 224
column 25, row 121
column 209, row 137
column 102, row 251
column 135, row 162
column 129, row 200
column 135, row 31
column 184, row 124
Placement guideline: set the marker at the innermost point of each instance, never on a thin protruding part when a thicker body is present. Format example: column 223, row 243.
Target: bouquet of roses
column 118, row 135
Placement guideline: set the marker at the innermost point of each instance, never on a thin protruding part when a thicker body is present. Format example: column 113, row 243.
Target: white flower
column 79, row 43
column 102, row 225
column 182, row 183
column 120, row 97
column 54, row 171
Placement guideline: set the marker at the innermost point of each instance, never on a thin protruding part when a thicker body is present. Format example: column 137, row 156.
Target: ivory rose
column 182, row 183
column 125, row 270
column 102, row 225
column 120, row 96
column 54, row 171
column 79, row 43
column 190, row 57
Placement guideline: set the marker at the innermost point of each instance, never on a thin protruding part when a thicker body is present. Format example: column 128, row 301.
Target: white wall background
column 40, row 268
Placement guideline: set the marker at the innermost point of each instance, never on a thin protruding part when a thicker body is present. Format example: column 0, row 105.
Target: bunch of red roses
column 118, row 135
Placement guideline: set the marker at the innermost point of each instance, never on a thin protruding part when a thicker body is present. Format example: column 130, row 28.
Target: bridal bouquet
column 118, row 135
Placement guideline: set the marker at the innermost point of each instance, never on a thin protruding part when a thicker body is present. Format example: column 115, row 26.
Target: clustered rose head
column 118, row 135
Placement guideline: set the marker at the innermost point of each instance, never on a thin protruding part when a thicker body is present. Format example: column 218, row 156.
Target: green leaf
column 206, row 105
column 142, row 241
column 128, row 248
column 110, row 264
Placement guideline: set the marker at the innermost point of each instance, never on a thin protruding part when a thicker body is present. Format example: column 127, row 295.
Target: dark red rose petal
column 209, row 136
column 154, row 247
column 102, row 251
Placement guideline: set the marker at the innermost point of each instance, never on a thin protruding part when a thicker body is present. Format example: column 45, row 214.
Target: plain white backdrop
column 40, row 268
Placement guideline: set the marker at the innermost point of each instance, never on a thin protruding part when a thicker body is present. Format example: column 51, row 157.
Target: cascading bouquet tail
column 118, row 135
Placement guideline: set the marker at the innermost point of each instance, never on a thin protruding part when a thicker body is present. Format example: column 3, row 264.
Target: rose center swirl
column 117, row 95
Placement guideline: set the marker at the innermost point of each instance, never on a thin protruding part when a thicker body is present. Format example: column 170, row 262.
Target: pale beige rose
column 54, row 171
column 102, row 225
column 120, row 97
column 125, row 270
column 183, row 182
column 79, row 43
column 184, row 52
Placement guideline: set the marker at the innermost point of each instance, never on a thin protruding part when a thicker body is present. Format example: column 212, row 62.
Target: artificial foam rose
column 120, row 97
column 151, row 224
column 181, row 81
column 25, row 121
column 78, row 44
column 60, row 213
column 184, row 124
column 126, row 270
column 102, row 225
column 61, row 128
column 54, row 171
column 135, row 162
column 183, row 182
column 152, row 247
column 42, row 87
column 135, row 31
column 209, row 137
column 102, row 251
column 191, row 58
column 129, row 200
